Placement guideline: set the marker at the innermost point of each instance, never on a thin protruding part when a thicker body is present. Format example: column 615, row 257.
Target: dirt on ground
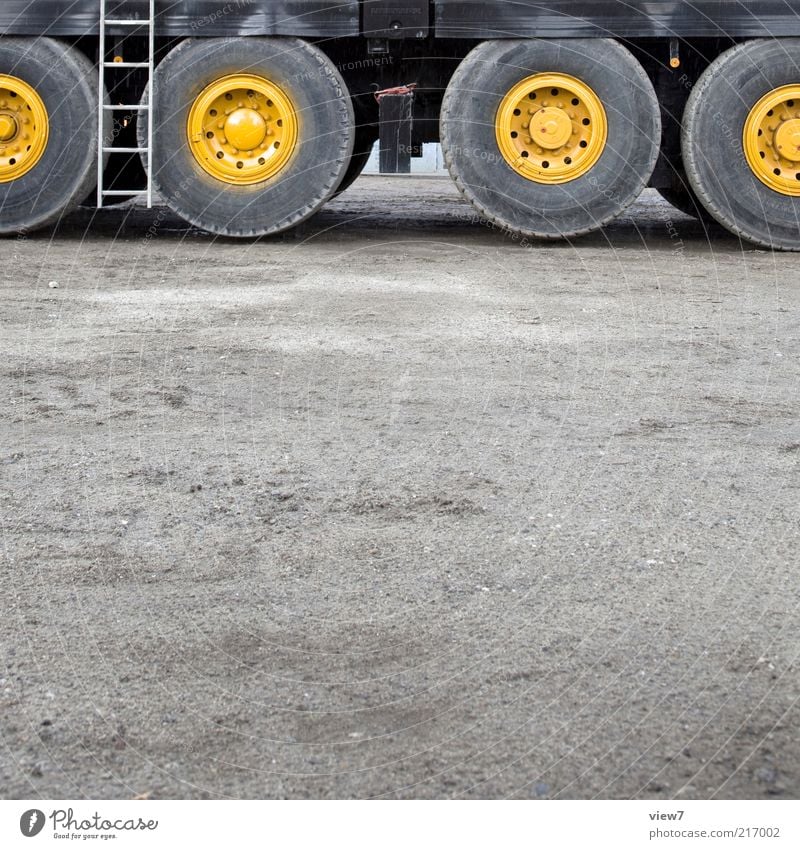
column 398, row 506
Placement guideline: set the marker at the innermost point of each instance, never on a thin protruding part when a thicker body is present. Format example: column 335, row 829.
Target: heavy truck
column 246, row 116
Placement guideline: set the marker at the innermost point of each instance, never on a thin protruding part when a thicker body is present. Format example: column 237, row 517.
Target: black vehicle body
column 441, row 19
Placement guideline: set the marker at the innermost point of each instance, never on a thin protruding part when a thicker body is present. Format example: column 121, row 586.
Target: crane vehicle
column 246, row 116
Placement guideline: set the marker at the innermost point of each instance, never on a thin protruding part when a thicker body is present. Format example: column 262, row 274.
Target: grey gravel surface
column 396, row 506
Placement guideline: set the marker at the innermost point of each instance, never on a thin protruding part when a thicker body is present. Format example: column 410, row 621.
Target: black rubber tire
column 67, row 83
column 711, row 142
column 309, row 179
column 362, row 150
column 550, row 211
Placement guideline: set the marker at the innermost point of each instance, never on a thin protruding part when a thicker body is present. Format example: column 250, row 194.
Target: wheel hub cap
column 8, row 127
column 771, row 140
column 787, row 140
column 551, row 128
column 245, row 129
column 24, row 128
column 242, row 129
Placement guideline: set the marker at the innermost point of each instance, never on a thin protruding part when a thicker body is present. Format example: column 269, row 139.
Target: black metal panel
column 308, row 18
column 396, row 119
column 395, row 18
column 634, row 19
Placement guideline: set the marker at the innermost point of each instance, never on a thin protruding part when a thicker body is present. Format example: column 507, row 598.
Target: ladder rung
column 127, row 22
column 125, row 150
column 126, row 64
column 115, row 107
column 118, row 193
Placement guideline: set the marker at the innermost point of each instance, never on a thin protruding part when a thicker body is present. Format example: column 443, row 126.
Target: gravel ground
column 396, row 506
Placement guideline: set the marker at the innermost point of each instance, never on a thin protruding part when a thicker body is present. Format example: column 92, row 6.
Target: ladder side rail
column 149, row 112
column 101, row 112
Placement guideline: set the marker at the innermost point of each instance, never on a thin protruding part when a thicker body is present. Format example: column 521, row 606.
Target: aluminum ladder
column 104, row 109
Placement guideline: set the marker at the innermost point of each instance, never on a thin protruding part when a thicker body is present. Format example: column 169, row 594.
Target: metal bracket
column 674, row 53
column 396, row 117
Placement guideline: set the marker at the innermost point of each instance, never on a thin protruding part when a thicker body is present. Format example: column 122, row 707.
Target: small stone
column 767, row 775
column 53, row 284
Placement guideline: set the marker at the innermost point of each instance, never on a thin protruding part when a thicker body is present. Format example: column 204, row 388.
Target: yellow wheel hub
column 551, row 128
column 24, row 128
column 242, row 129
column 771, row 140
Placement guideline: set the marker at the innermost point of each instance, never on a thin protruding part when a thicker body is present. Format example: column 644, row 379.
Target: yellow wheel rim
column 24, row 128
column 242, row 129
column 771, row 140
column 551, row 128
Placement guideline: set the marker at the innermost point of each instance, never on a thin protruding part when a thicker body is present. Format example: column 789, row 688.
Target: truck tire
column 590, row 94
column 741, row 141
column 48, row 132
column 266, row 162
column 362, row 150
